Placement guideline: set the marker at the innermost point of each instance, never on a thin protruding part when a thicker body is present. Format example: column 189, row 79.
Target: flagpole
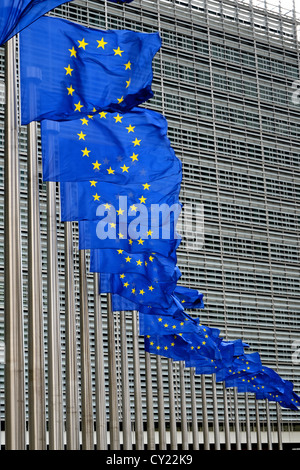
column 268, row 424
column 72, row 406
column 248, row 433
column 149, row 398
column 161, row 411
column 278, row 409
column 54, row 342
column 204, row 412
column 237, row 422
column 258, row 435
column 173, row 434
column 183, row 407
column 113, row 391
column 36, row 367
column 226, row 420
column 194, row 410
column 14, row 342
column 101, row 424
column 216, row 415
column 86, row 379
column 126, row 421
column 139, row 433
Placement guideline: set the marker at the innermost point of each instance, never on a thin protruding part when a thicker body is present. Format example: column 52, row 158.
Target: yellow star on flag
column 128, row 65
column 68, row 70
column 136, row 142
column 96, row 197
column 124, row 168
column 146, row 186
column 118, row 51
column 101, row 43
column 82, row 44
column 110, row 171
column 96, row 165
column 70, row 90
column 134, row 157
column 85, row 152
column 78, row 106
column 73, row 52
column 130, row 128
column 118, row 118
column 81, row 136
column 93, row 183
column 84, row 121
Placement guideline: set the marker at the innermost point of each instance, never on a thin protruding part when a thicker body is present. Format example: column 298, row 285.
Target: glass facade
column 224, row 79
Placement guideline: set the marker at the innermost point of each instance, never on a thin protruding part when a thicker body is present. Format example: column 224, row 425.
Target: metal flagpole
column 149, row 399
column 161, row 411
column 204, row 412
column 54, row 342
column 268, row 424
column 185, row 444
column 173, row 434
column 126, row 421
column 278, row 409
column 101, row 424
column 36, row 366
column 194, row 410
column 216, row 416
column 226, row 419
column 258, row 434
column 139, row 432
column 113, row 391
column 86, row 379
column 14, row 342
column 72, row 406
column 248, row 433
column 237, row 422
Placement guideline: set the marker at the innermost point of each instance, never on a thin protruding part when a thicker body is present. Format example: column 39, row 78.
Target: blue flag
column 68, row 70
column 96, row 199
column 152, row 266
column 183, row 347
column 15, row 15
column 128, row 148
column 146, row 296
column 190, row 298
column 242, row 365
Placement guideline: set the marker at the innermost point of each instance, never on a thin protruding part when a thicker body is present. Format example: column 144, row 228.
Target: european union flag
column 91, row 239
column 150, row 265
column 170, row 346
column 15, row 15
column 243, row 365
column 182, row 347
column 179, row 323
column 128, row 148
column 94, row 199
column 139, row 290
column 68, row 70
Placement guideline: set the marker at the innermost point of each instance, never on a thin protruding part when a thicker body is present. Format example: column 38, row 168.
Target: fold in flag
column 91, row 200
column 15, row 15
column 152, row 266
column 182, row 347
column 137, row 289
column 67, row 70
column 241, row 366
column 190, row 298
column 129, row 148
column 91, row 237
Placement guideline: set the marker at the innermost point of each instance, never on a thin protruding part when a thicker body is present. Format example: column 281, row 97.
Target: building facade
column 226, row 79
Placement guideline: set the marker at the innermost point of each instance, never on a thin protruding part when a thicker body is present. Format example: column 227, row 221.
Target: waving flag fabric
column 128, row 148
column 68, row 70
column 15, row 15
